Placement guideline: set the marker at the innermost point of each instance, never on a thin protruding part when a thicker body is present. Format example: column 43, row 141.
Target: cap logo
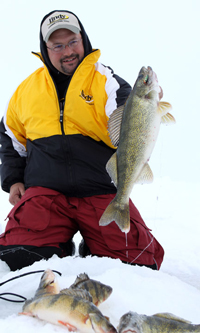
column 58, row 18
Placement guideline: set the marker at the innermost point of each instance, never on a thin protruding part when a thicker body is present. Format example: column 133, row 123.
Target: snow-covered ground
column 171, row 209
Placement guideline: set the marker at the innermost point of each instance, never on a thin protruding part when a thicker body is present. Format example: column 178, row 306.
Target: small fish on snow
column 132, row 322
column 99, row 291
column 72, row 308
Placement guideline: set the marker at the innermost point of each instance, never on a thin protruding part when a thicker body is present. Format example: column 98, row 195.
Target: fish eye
column 146, row 79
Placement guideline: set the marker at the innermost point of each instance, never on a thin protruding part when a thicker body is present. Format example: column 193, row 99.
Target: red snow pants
column 46, row 218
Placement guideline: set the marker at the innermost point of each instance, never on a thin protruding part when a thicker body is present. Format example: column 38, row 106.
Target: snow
column 166, row 38
column 171, row 210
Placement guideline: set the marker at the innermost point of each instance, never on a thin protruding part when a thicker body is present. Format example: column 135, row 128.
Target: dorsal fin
column 171, row 316
column 81, row 293
column 114, row 125
column 80, row 278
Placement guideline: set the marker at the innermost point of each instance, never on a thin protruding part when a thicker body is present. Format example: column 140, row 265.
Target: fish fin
column 100, row 323
column 114, row 125
column 164, row 107
column 26, row 314
column 95, row 318
column 114, row 212
column 70, row 327
column 80, row 278
column 171, row 316
column 111, row 168
column 145, row 176
column 81, row 293
column 168, row 119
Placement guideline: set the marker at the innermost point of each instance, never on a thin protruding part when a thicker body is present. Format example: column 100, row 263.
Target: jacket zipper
column 62, row 104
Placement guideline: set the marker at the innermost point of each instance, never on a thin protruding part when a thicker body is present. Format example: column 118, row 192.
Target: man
column 54, row 148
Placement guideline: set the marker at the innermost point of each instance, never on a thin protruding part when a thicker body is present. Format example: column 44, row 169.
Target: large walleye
column 134, row 128
column 133, row 322
column 72, row 308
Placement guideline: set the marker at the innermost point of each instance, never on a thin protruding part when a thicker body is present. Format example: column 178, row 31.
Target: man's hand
column 16, row 192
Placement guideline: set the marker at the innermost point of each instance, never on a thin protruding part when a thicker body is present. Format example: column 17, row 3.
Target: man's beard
column 65, row 70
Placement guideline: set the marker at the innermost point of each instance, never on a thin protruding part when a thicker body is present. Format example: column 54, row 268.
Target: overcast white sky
column 164, row 34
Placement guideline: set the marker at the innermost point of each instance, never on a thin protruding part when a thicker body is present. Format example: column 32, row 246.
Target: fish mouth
column 151, row 81
column 48, row 283
column 48, row 278
column 129, row 330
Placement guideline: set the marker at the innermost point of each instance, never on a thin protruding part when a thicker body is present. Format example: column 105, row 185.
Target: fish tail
column 118, row 213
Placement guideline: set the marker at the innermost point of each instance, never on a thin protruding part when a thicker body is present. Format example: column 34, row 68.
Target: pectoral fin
column 26, row 314
column 164, row 107
column 166, row 117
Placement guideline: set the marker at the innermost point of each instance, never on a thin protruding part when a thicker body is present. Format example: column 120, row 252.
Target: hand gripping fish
column 73, row 308
column 133, row 322
column 134, row 129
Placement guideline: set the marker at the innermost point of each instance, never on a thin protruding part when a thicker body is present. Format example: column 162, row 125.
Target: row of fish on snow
column 76, row 308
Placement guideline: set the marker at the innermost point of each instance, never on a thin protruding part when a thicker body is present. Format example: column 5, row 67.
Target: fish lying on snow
column 132, row 322
column 99, row 291
column 134, row 129
column 72, row 311
column 72, row 308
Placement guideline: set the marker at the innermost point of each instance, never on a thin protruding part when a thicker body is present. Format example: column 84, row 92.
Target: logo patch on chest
column 87, row 98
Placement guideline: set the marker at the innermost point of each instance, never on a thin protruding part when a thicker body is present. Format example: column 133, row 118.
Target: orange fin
column 26, row 314
column 70, row 327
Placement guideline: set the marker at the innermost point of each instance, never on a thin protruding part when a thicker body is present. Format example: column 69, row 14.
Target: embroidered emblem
column 87, row 98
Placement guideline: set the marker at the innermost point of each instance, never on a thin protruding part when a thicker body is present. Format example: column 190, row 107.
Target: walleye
column 134, row 129
column 132, row 322
column 99, row 291
column 72, row 308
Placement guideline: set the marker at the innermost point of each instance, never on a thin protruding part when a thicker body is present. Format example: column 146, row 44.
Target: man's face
column 69, row 58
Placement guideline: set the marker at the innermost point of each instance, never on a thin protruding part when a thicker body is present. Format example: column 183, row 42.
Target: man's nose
column 67, row 50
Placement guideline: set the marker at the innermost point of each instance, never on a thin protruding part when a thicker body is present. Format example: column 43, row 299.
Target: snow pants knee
column 45, row 218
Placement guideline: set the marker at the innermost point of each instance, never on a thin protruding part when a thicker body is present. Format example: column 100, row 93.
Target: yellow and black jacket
column 63, row 145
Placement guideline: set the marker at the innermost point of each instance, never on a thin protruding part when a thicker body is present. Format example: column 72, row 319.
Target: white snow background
column 131, row 34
